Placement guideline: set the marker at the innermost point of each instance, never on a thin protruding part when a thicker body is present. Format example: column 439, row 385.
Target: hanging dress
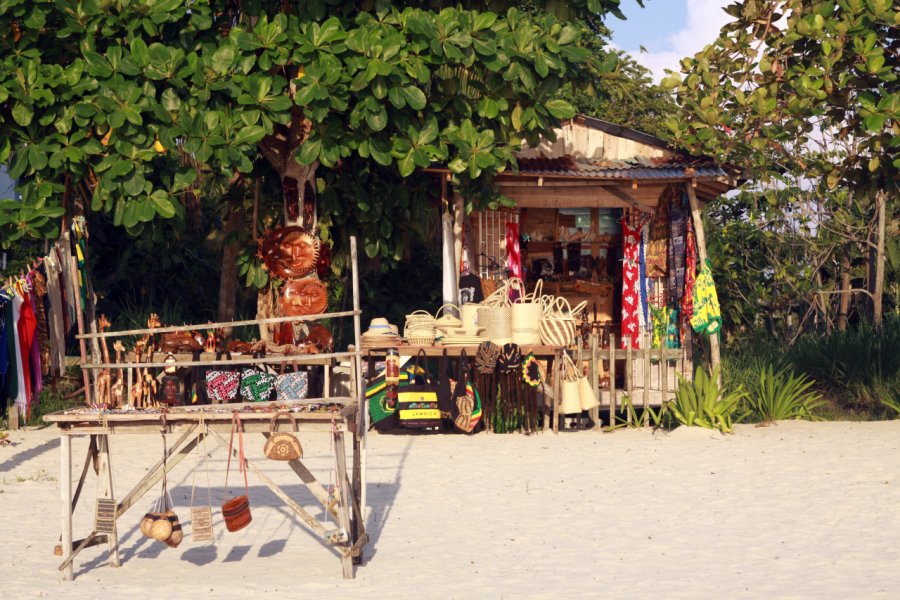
column 21, row 397
column 630, row 286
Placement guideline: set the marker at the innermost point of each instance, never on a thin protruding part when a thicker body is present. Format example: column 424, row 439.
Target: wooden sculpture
column 103, row 381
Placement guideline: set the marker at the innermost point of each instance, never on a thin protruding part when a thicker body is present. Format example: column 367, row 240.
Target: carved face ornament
column 303, row 297
column 290, row 252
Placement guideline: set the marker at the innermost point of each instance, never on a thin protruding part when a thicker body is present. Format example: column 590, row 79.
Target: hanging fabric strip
column 690, row 271
column 513, row 253
column 56, row 316
column 41, row 300
column 644, row 282
column 630, row 286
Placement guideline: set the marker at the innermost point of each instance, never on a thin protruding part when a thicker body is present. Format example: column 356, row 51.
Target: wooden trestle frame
column 194, row 424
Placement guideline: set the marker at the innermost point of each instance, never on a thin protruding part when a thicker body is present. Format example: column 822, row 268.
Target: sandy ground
column 796, row 510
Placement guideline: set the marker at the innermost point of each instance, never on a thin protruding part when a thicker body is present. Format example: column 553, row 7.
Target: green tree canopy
column 127, row 106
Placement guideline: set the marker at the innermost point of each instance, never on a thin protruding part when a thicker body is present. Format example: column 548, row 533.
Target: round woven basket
column 420, row 338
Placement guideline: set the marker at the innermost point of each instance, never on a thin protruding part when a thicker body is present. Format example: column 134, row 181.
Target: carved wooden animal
column 118, row 388
column 103, row 380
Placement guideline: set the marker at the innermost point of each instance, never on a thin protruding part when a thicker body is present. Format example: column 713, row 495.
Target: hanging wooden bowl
column 303, row 297
column 290, row 252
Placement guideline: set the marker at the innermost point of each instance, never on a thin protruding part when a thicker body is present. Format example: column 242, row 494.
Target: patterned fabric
column 531, row 370
column 630, row 285
column 645, row 321
column 222, row 386
column 486, row 357
column 660, row 321
column 658, row 242
column 510, row 359
column 292, row 386
column 678, row 223
column 673, row 340
column 707, row 316
column 690, row 272
column 513, row 254
column 256, row 385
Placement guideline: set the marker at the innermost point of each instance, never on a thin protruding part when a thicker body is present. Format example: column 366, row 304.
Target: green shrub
column 702, row 403
column 779, row 394
column 861, row 366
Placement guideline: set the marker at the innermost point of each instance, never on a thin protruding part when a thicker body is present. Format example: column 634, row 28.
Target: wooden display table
column 551, row 354
column 190, row 426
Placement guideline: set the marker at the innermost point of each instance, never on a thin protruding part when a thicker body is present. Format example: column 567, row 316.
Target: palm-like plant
column 702, row 403
column 781, row 394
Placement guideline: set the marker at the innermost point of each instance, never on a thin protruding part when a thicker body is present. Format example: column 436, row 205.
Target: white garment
column 21, row 398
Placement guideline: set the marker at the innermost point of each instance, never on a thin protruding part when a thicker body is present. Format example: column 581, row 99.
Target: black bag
column 417, row 403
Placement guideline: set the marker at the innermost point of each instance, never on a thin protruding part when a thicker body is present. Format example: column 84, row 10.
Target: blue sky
column 668, row 29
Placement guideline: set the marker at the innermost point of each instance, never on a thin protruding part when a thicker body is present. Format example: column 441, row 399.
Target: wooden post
column 362, row 421
column 612, row 380
column 73, row 273
column 715, row 353
column 65, row 487
column 645, row 417
column 595, row 377
column 629, row 376
column 663, row 373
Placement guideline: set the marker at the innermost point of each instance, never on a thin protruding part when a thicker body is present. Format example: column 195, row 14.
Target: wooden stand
column 345, row 505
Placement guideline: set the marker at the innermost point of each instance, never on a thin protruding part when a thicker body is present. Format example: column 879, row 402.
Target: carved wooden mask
column 290, row 252
column 303, row 297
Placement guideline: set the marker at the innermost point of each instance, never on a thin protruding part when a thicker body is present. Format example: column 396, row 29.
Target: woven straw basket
column 526, row 315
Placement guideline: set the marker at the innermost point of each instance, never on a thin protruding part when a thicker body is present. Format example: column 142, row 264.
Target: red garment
column 631, row 285
column 513, row 253
column 27, row 327
column 690, row 274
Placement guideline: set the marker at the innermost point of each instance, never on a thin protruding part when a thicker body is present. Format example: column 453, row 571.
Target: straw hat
column 380, row 326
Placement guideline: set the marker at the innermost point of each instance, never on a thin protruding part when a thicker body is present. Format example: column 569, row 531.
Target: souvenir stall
column 38, row 313
column 190, row 384
column 606, row 231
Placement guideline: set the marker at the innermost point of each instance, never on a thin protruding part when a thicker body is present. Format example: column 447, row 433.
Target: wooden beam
column 714, row 351
column 630, row 200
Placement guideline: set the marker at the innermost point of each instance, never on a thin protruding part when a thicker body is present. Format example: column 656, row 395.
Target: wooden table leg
column 344, row 513
column 557, row 393
column 65, row 487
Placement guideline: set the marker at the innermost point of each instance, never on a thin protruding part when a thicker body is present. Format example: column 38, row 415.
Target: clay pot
column 147, row 523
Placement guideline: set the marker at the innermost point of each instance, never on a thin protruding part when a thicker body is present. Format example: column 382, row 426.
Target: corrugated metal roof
column 633, row 168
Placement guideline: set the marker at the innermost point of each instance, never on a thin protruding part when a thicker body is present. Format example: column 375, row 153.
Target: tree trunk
column 228, row 278
column 844, row 307
column 878, row 292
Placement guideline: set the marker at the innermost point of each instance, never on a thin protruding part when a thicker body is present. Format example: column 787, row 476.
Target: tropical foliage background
column 168, row 122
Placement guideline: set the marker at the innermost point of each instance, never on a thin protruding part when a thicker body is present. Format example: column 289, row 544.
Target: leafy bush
column 861, row 365
column 779, row 394
column 702, row 403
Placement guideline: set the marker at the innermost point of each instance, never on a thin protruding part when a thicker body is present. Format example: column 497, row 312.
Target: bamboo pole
column 85, row 373
column 645, row 417
column 172, row 328
column 362, row 421
column 714, row 351
column 613, row 400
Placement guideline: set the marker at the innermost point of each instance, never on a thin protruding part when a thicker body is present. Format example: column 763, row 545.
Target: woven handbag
column 281, row 445
column 292, row 386
column 527, row 313
column 222, row 385
column 558, row 324
column 236, row 511
column 570, row 402
column 495, row 317
column 256, row 385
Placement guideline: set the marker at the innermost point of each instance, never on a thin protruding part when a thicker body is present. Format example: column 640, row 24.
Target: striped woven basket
column 558, row 322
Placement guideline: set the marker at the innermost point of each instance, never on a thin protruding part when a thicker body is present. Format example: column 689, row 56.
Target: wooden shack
column 573, row 196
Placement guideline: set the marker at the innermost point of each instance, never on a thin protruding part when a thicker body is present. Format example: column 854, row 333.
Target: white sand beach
column 795, row 510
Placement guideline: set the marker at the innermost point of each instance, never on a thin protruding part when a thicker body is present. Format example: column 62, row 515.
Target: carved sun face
column 290, row 252
column 304, row 297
